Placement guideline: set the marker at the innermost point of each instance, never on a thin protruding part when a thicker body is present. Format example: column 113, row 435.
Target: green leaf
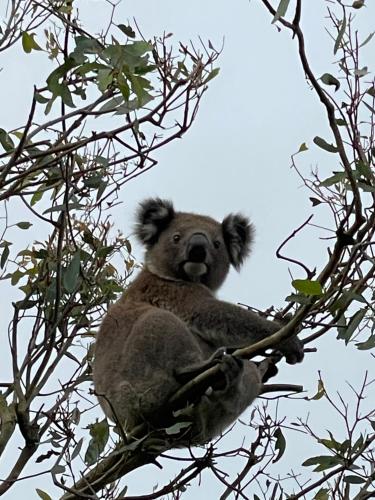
column 322, row 494
column 57, row 469
column 366, row 187
column 99, row 433
column 127, row 30
column 37, row 196
column 297, row 297
column 340, row 35
column 16, row 276
column 77, row 449
column 6, row 140
column 332, row 444
column 320, row 392
column 368, row 344
column 323, row 462
column 28, row 42
column 212, row 75
column 367, row 40
column 334, row 179
column 24, row 225
column 40, row 98
column 340, row 122
column 26, row 304
column 60, row 208
column 281, row 10
column 66, row 96
column 49, row 105
column 303, row 147
column 43, row 495
column 329, row 79
column 112, row 104
column 308, row 287
column 315, row 201
column 139, row 86
column 324, row 145
column 344, row 300
column 280, row 444
column 361, row 72
column 85, row 45
column 176, row 428
column 355, row 320
column 358, row 444
column 104, row 78
column 71, row 273
column 354, row 479
column 103, row 252
column 358, row 4
column 4, row 255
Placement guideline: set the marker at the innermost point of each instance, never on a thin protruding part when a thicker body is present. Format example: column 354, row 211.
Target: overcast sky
column 236, row 157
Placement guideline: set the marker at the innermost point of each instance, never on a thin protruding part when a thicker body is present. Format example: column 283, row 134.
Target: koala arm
column 224, row 324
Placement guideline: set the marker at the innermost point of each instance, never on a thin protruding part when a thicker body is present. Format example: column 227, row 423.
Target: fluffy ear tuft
column 238, row 236
column 153, row 216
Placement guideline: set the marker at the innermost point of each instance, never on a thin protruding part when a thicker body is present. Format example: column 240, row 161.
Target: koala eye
column 217, row 243
column 176, row 238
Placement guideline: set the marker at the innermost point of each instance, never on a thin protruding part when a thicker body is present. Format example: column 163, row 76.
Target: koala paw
column 230, row 368
column 291, row 348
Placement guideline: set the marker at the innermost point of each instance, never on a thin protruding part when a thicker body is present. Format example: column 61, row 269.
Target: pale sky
column 236, row 157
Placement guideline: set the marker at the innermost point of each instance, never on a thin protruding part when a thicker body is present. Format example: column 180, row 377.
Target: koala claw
column 292, row 349
column 230, row 367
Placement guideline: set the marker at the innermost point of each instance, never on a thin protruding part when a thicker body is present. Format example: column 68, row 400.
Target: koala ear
column 238, row 236
column 153, row 216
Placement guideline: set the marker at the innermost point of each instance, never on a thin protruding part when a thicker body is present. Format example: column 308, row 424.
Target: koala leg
column 140, row 377
column 219, row 408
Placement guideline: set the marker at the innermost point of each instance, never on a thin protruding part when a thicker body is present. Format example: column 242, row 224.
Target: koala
column 169, row 326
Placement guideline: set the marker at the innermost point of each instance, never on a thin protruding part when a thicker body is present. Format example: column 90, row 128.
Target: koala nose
column 197, row 248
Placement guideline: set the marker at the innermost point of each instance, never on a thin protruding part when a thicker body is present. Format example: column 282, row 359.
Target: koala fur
column 168, row 326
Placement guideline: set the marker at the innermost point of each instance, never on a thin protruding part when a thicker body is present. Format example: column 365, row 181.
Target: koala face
column 191, row 247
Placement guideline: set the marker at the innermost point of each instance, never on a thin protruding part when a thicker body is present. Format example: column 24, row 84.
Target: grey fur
column 169, row 325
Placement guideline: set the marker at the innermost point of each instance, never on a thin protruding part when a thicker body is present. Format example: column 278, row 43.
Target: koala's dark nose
column 197, row 248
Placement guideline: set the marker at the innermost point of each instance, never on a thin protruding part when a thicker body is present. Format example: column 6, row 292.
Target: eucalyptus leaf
column 325, row 145
column 303, row 147
column 42, row 494
column 322, row 494
column 347, row 333
column 71, row 273
column 280, row 444
column 99, row 436
column 5, row 140
column 212, row 75
column 358, row 4
column 24, row 225
column 354, row 479
column 177, row 428
column 4, row 256
column 28, row 42
column 127, row 30
column 334, row 179
column 323, row 462
column 308, row 287
column 367, row 345
column 367, row 39
column 329, row 79
column 281, row 10
column 340, row 35
column 58, row 469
